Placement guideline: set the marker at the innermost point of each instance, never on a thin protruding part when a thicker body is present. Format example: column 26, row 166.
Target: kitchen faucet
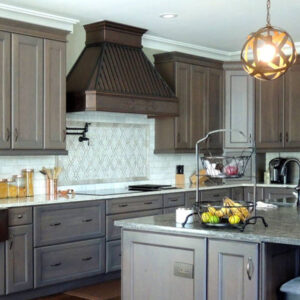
column 283, row 170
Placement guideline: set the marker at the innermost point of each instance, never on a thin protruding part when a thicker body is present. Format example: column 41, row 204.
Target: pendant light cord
column 268, row 12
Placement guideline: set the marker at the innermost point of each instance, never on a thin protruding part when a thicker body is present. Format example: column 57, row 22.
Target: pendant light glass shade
column 269, row 52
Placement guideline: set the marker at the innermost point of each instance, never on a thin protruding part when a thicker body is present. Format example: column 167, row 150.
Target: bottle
column 28, row 176
column 12, row 187
column 21, row 188
column 3, row 188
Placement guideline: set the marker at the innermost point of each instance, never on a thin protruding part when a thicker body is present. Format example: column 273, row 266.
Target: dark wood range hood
column 113, row 74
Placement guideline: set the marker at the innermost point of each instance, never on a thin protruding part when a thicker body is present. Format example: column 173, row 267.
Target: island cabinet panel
column 27, row 92
column 5, row 91
column 276, row 193
column 54, row 95
column 179, row 261
column 113, row 256
column 249, row 192
column 2, row 268
column 19, row 259
column 233, row 269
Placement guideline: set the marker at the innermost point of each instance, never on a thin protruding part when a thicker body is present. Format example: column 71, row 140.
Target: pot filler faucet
column 283, row 170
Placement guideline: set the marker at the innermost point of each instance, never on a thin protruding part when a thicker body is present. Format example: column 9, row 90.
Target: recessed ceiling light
column 168, row 16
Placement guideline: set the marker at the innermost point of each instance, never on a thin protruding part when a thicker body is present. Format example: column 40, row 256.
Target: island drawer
column 19, row 216
column 65, row 262
column 113, row 232
column 122, row 205
column 113, row 256
column 276, row 193
column 190, row 198
column 215, row 195
column 173, row 199
column 69, row 222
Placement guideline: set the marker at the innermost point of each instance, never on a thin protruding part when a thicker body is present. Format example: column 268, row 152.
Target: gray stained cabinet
column 276, row 193
column 249, row 192
column 27, row 92
column 239, row 107
column 54, row 95
column 2, row 269
column 5, row 91
column 19, row 259
column 198, row 84
column 233, row 270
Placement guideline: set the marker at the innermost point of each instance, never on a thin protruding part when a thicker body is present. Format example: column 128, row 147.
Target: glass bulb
column 266, row 53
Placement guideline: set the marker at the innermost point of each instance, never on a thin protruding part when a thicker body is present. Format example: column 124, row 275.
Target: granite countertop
column 44, row 199
column 284, row 227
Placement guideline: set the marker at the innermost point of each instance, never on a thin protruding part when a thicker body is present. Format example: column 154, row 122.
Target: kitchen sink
column 3, row 225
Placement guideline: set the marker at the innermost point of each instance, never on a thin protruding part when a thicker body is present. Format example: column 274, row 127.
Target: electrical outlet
column 183, row 270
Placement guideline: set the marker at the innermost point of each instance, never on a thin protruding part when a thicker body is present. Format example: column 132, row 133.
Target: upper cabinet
column 239, row 106
column 32, row 89
column 198, row 84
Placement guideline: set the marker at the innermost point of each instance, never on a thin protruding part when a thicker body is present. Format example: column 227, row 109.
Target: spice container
column 28, row 176
column 20, row 182
column 3, row 188
column 12, row 188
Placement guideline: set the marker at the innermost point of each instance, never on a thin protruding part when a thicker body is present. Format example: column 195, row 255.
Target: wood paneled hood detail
column 113, row 74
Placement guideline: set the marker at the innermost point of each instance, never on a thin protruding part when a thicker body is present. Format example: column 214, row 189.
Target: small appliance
column 275, row 166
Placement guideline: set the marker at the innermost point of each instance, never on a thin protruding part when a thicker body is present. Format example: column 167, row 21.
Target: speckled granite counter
column 284, row 227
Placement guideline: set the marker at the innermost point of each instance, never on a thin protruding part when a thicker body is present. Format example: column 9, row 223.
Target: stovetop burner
column 150, row 187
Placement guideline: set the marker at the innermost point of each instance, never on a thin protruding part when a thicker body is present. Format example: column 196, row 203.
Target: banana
column 219, row 213
column 211, row 210
column 237, row 209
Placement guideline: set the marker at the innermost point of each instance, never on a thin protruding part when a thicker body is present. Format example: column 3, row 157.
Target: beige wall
column 76, row 43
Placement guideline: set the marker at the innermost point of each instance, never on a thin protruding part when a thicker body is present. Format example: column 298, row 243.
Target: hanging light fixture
column 269, row 52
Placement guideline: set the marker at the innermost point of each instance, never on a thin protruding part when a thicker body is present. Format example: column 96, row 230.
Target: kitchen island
column 163, row 260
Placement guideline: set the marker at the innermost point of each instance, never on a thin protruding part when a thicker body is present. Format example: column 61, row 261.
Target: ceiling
column 217, row 24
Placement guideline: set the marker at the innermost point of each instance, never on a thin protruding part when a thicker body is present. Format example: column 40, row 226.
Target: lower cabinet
column 113, row 256
column 215, row 195
column 19, row 262
column 59, row 263
column 276, row 193
column 2, row 269
column 249, row 192
column 237, row 193
column 156, row 266
column 232, row 270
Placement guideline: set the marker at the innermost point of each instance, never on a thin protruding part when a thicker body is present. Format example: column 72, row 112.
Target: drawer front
column 113, row 232
column 63, row 223
column 19, row 216
column 113, row 256
column 248, row 194
column 117, row 206
column 215, row 195
column 54, row 264
column 190, row 199
column 170, row 210
column 273, row 193
column 175, row 199
column 238, row 193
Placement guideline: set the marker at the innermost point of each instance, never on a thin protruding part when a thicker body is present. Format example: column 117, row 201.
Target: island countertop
column 283, row 227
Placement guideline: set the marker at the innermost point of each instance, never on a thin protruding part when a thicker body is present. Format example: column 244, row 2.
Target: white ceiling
column 218, row 24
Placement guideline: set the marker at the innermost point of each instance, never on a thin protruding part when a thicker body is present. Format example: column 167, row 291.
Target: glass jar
column 28, row 176
column 3, row 188
column 21, row 187
column 12, row 188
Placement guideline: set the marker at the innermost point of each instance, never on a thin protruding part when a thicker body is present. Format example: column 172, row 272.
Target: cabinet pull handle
column 11, row 244
column 287, row 137
column 7, row 134
column 216, row 195
column 250, row 138
column 16, row 134
column 55, row 224
column 56, row 265
column 123, row 205
column 280, row 137
column 178, row 137
column 250, row 268
column 20, row 216
column 148, row 203
column 64, row 135
column 120, row 254
column 86, row 258
column 87, row 220
column 173, row 200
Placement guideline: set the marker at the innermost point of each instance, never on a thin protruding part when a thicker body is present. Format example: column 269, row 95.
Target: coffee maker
column 275, row 166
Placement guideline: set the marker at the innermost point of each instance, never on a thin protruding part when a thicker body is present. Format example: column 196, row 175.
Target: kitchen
column 100, row 120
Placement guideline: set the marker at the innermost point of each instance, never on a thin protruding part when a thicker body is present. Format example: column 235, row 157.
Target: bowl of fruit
column 226, row 213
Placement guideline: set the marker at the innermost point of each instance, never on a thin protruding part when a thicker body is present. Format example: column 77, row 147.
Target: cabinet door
column 182, row 124
column 215, row 108
column 292, row 108
column 276, row 193
column 239, row 108
column 269, row 114
column 55, row 95
column 5, row 91
column 157, row 266
column 19, row 274
column 232, row 270
column 198, row 99
column 249, row 192
column 27, row 92
column 2, row 268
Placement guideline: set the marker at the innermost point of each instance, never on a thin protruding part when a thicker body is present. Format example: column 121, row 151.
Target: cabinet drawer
column 20, row 216
column 175, row 199
column 238, row 193
column 116, row 206
column 248, row 194
column 113, row 256
column 65, row 262
column 276, row 193
column 190, row 198
column 215, row 195
column 113, row 232
column 62, row 223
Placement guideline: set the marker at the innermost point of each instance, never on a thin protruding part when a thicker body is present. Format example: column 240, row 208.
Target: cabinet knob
column 287, row 137
column 55, row 224
column 250, row 268
column 7, row 134
column 56, row 265
column 86, row 258
column 16, row 134
column 20, row 216
column 87, row 220
column 250, row 138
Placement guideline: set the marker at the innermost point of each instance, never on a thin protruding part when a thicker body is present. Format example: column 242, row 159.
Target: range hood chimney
column 113, row 74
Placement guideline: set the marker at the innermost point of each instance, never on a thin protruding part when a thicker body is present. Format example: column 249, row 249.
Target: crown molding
column 36, row 17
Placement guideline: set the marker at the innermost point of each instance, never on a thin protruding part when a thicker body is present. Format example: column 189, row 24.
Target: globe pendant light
column 269, row 52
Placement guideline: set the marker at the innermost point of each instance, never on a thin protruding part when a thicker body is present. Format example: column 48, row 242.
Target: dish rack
column 224, row 167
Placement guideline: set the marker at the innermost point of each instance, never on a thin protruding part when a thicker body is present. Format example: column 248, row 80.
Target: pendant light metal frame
column 285, row 52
